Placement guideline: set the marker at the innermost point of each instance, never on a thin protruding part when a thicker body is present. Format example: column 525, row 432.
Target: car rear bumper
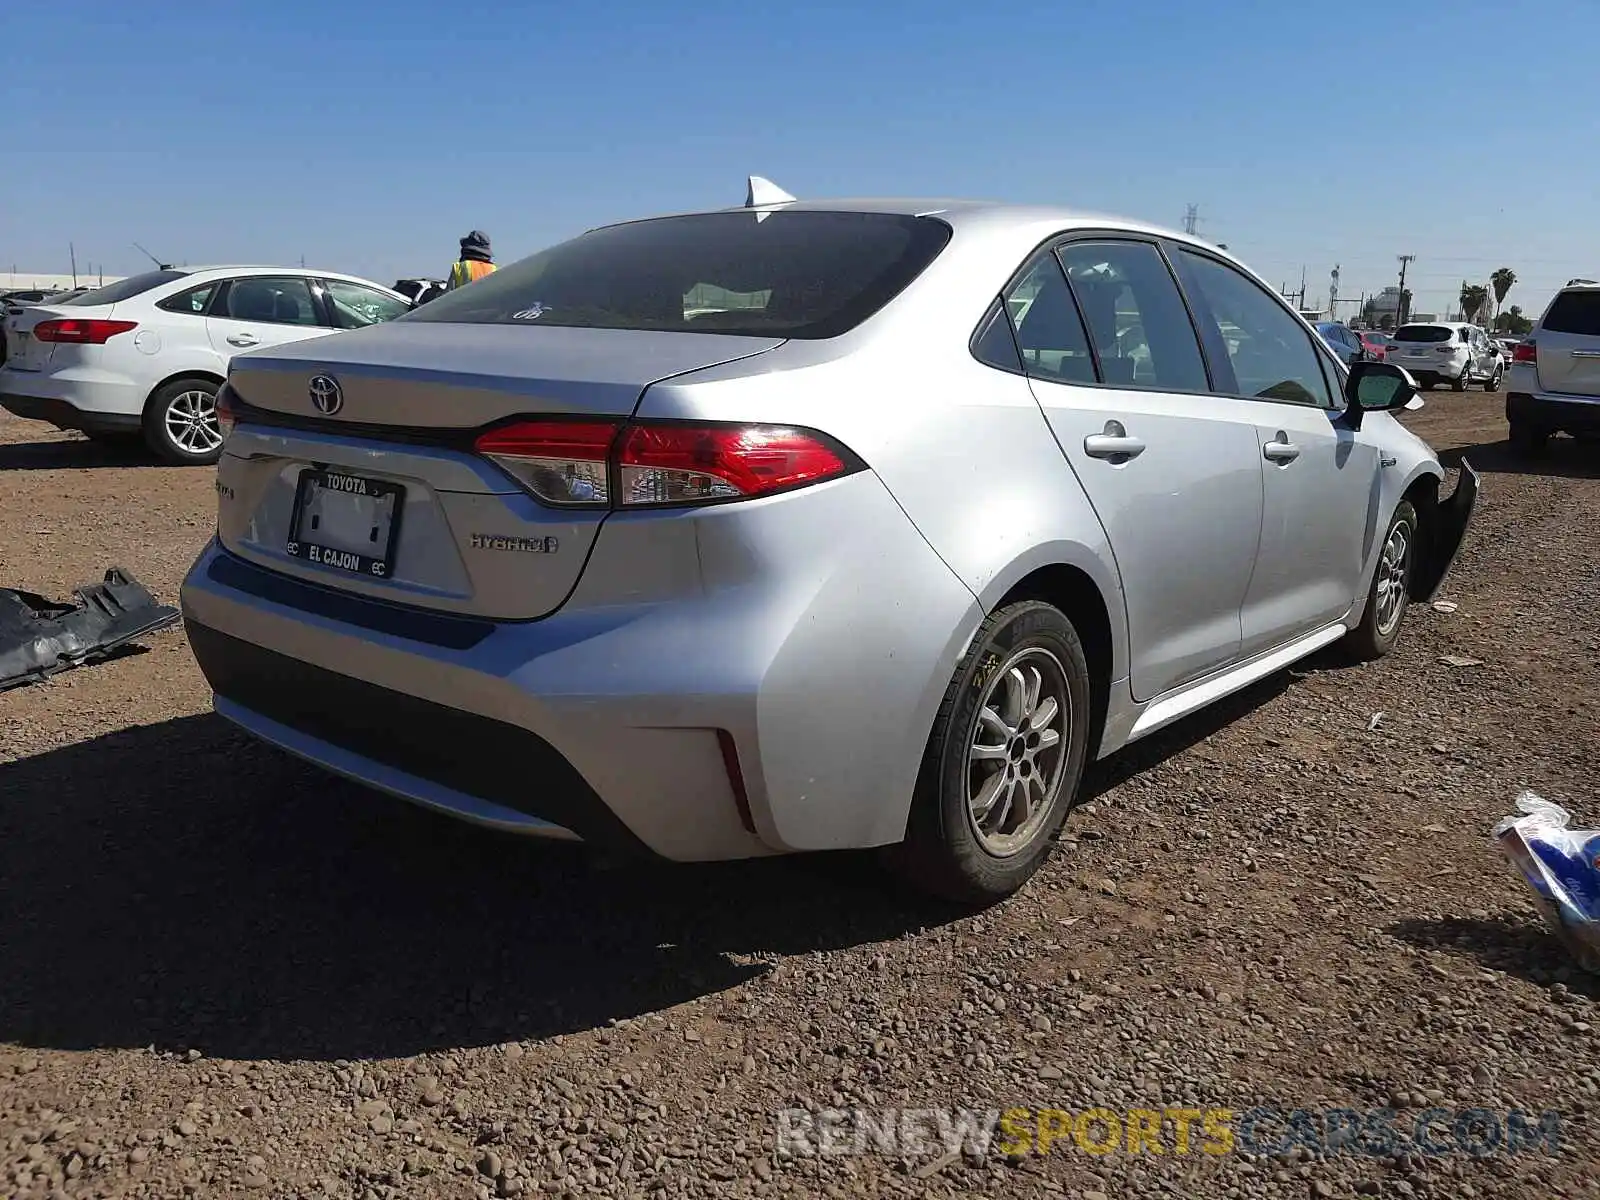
column 1554, row 413
column 784, row 709
column 93, row 405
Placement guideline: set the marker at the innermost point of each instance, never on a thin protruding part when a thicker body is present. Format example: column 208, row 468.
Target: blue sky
column 369, row 136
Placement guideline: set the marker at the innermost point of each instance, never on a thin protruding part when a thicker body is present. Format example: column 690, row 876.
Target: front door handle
column 243, row 339
column 1109, row 445
column 1281, row 450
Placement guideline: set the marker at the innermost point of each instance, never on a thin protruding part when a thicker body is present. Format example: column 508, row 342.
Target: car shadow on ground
column 1525, row 948
column 68, row 454
column 180, row 885
column 1564, row 457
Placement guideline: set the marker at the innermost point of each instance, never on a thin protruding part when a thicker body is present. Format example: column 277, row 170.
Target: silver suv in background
column 1555, row 372
column 1450, row 352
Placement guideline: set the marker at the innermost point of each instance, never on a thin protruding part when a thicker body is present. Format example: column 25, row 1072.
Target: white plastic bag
column 1562, row 866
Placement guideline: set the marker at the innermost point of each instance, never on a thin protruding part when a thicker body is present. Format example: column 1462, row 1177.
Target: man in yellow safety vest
column 475, row 261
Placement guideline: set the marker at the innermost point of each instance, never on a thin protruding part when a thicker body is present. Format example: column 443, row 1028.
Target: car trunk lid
column 24, row 351
column 377, row 489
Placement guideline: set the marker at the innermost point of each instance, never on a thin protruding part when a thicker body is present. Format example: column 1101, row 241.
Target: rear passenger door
column 1320, row 483
column 1170, row 468
column 264, row 310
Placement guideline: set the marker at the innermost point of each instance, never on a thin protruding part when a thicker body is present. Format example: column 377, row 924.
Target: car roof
column 192, row 274
column 962, row 213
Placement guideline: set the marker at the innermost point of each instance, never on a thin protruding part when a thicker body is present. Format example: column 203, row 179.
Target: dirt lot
column 222, row 973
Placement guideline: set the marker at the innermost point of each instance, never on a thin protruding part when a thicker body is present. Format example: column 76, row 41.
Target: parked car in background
column 147, row 354
column 1377, row 344
column 450, row 549
column 1343, row 341
column 1555, row 374
column 1450, row 352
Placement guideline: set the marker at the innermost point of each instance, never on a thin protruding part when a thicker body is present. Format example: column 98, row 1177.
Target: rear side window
column 1142, row 334
column 192, row 301
column 1422, row 333
column 1574, row 312
column 284, row 300
column 791, row 274
column 994, row 344
column 126, row 289
column 1049, row 330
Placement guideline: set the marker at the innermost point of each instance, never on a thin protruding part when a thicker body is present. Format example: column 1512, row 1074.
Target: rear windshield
column 125, row 289
column 791, row 274
column 1574, row 312
column 1422, row 333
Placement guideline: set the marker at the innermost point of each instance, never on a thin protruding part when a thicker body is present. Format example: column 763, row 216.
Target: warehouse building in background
column 14, row 280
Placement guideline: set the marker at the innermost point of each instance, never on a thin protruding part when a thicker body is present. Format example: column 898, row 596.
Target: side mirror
column 1376, row 387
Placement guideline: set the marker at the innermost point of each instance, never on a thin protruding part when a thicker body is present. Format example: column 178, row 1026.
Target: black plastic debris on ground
column 39, row 637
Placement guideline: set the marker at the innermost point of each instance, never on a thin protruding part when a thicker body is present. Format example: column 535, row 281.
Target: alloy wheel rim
column 191, row 420
column 1017, row 752
column 1392, row 578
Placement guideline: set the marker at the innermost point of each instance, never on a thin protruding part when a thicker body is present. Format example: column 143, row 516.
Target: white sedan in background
column 146, row 355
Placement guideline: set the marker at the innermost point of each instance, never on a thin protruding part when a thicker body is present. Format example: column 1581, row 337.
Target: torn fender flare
column 1446, row 532
column 39, row 637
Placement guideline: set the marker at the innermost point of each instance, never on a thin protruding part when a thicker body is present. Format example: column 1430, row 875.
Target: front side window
column 1049, row 330
column 355, row 307
column 271, row 300
column 1270, row 352
column 792, row 273
column 1142, row 334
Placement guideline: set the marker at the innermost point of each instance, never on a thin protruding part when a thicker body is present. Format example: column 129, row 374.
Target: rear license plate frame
column 302, row 543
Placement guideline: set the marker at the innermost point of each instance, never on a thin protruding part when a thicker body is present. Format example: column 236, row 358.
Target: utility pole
column 1400, row 313
column 1191, row 219
column 1333, row 295
column 72, row 252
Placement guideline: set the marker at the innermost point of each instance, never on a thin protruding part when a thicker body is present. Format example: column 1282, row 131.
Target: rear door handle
column 243, row 339
column 1107, row 445
column 1281, row 450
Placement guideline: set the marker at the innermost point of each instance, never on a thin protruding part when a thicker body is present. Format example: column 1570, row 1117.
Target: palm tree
column 1503, row 280
column 1474, row 296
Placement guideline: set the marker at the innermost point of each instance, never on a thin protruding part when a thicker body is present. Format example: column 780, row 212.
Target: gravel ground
column 222, row 973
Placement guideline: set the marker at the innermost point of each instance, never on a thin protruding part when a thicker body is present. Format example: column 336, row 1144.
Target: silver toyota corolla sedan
column 804, row 526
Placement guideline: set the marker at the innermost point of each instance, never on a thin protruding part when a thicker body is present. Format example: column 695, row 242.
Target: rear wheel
column 1493, row 383
column 1460, row 383
column 1527, row 440
column 180, row 422
column 1004, row 759
column 1390, row 593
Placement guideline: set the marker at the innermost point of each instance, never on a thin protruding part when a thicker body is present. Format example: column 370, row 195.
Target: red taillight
column 227, row 414
column 676, row 464
column 574, row 462
column 1525, row 352
column 561, row 462
column 81, row 333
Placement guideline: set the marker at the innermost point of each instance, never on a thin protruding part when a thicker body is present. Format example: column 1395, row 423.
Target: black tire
column 1528, row 441
column 1460, row 384
column 1492, row 384
column 944, row 852
column 163, row 422
column 1374, row 637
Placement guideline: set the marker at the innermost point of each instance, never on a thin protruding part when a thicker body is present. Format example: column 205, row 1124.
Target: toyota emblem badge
column 326, row 394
